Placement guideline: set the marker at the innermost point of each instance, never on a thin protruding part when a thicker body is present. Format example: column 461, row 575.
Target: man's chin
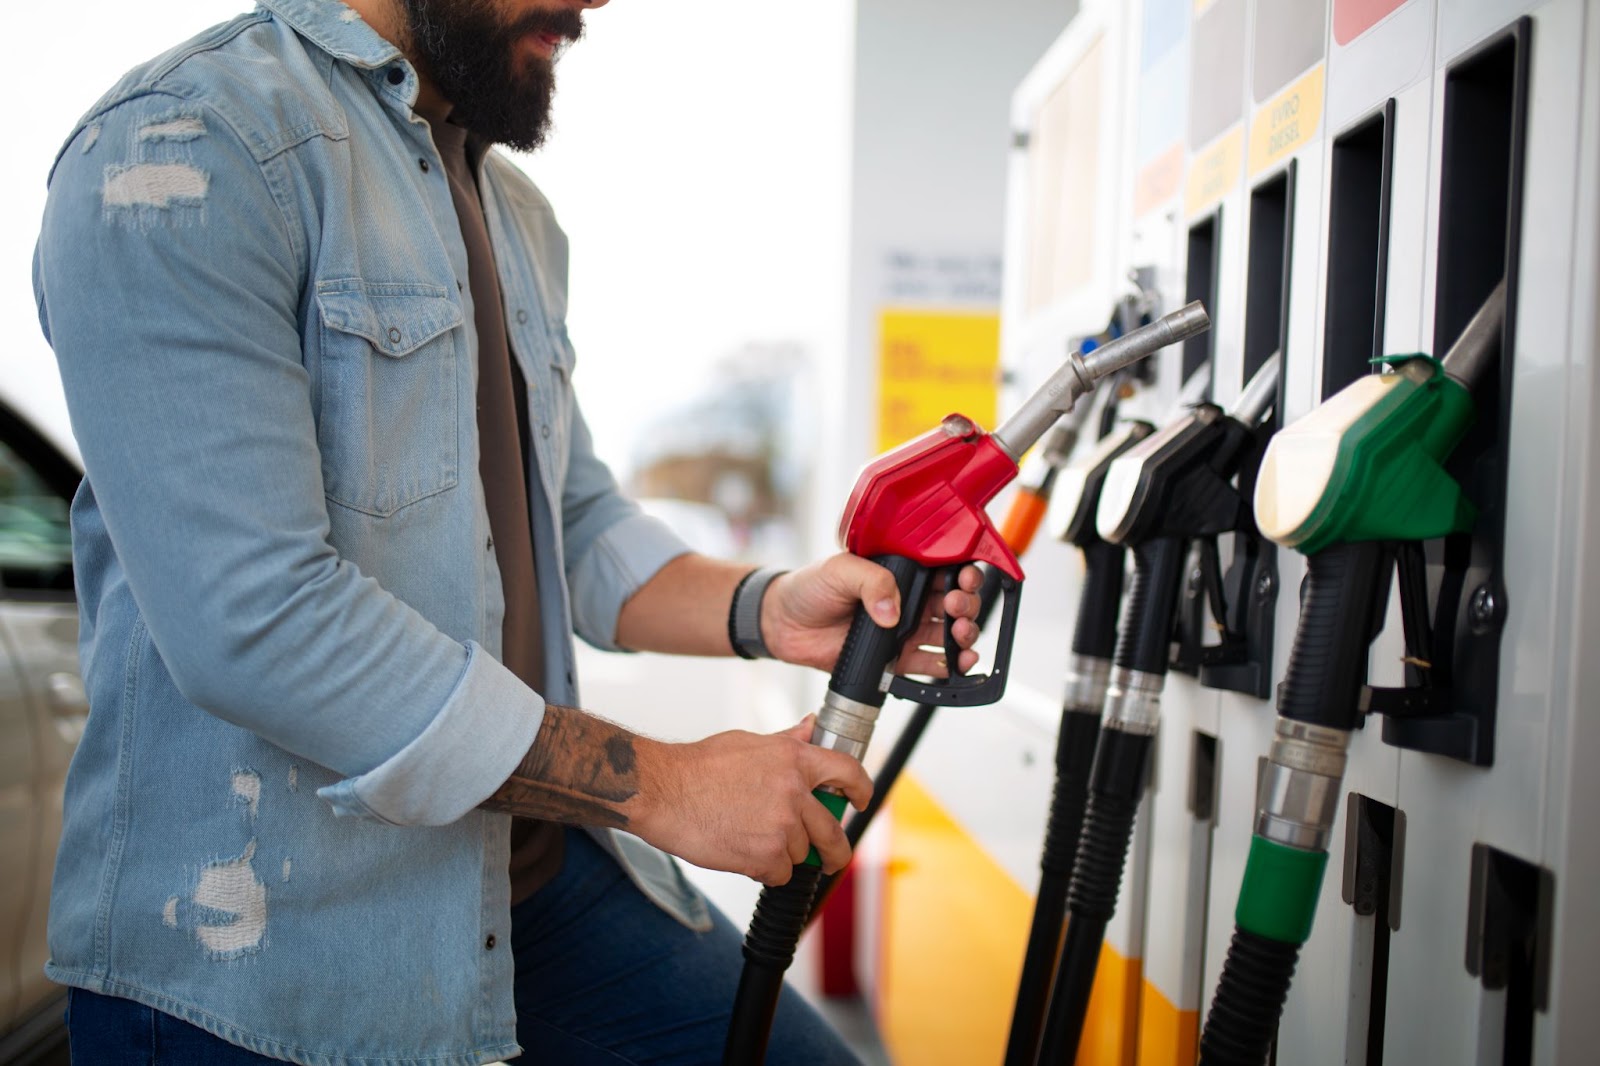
column 516, row 134
column 518, row 117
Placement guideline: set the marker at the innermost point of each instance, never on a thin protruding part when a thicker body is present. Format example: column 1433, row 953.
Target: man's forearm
column 683, row 609
column 581, row 770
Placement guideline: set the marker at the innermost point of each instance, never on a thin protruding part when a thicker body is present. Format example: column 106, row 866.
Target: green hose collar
column 1278, row 899
column 835, row 804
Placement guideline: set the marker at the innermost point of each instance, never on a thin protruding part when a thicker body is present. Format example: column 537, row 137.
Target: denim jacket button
column 522, row 316
column 396, row 75
column 394, row 334
column 423, row 163
column 488, row 945
column 544, row 430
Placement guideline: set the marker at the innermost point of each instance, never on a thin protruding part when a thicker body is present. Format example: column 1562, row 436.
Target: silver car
column 42, row 714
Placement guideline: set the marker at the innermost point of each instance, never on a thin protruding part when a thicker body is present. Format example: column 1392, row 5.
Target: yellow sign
column 933, row 363
column 1285, row 123
column 1214, row 172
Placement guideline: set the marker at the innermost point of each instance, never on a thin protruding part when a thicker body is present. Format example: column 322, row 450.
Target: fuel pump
column 1170, row 489
column 1088, row 674
column 1342, row 485
column 917, row 510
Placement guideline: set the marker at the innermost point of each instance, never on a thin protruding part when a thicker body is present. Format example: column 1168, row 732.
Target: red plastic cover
column 925, row 500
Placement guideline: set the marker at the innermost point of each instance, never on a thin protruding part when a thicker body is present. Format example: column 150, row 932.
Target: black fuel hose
column 1093, row 637
column 769, row 947
column 1117, row 780
column 1120, row 763
column 781, row 910
column 1342, row 601
column 1249, row 1001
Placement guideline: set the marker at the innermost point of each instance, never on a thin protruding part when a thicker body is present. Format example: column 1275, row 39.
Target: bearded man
column 340, row 522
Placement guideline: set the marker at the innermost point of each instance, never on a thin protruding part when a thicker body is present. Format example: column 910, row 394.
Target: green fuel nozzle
column 1369, row 463
column 1340, row 485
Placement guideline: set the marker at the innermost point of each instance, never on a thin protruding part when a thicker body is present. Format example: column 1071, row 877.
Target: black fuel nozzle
column 1095, row 631
column 1169, row 489
column 1174, row 487
column 1089, row 672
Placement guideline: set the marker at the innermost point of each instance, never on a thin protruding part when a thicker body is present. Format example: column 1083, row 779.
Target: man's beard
column 471, row 57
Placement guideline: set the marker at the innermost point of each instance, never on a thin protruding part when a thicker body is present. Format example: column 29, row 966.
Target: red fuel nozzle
column 925, row 500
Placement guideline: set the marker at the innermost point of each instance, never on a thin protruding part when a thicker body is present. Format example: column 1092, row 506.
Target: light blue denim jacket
column 252, row 275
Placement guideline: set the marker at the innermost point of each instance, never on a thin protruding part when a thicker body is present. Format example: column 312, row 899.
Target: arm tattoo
column 580, row 771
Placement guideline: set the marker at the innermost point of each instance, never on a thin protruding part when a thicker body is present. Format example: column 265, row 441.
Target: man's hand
column 737, row 801
column 806, row 614
column 742, row 801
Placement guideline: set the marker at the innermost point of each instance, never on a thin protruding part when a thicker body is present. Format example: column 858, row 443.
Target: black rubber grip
column 1343, row 588
column 1249, row 1000
column 1096, row 630
column 769, row 947
column 869, row 648
column 1146, row 639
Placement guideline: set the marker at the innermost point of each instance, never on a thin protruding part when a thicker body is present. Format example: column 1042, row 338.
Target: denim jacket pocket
column 388, row 413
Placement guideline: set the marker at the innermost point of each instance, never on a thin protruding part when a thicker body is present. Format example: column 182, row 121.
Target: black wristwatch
column 744, row 613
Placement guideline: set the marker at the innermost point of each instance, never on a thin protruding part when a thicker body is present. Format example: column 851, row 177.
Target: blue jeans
column 604, row 978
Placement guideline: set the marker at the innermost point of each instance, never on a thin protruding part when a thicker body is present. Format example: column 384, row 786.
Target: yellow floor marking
column 956, row 926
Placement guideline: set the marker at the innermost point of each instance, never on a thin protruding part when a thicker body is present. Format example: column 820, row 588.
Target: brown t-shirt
column 503, row 442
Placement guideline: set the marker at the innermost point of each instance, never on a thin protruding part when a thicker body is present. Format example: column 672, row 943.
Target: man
column 340, row 521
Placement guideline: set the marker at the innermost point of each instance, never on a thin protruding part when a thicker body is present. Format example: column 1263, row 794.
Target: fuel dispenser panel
column 1347, row 186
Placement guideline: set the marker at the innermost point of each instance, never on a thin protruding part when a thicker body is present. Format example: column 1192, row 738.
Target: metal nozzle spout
column 1129, row 348
column 1260, row 395
column 1478, row 347
column 1079, row 374
column 1063, row 437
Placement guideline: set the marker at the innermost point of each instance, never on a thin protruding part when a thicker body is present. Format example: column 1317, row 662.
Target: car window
column 35, row 534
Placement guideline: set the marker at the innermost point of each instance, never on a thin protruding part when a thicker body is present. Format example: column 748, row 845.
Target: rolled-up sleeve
column 422, row 783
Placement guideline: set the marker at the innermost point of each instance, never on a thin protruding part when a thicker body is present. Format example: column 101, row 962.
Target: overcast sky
column 698, row 164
